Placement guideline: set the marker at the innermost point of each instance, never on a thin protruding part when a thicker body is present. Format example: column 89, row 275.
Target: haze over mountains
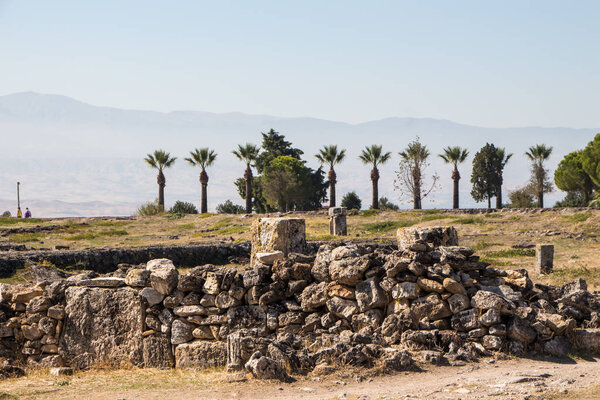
column 75, row 159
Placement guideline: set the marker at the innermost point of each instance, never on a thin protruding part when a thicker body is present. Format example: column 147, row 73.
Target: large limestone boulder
column 201, row 354
column 269, row 235
column 163, row 275
column 102, row 326
column 433, row 236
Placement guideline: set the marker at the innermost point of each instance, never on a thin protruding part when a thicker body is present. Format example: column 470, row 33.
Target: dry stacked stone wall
column 428, row 300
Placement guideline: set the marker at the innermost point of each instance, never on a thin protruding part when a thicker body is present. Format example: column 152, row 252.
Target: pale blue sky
column 503, row 63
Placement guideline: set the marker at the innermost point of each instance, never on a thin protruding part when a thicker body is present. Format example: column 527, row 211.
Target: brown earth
column 503, row 379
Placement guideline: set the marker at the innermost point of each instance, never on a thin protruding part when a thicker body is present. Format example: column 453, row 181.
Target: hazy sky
column 503, row 63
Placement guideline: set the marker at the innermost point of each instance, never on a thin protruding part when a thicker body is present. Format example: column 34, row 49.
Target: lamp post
column 19, row 213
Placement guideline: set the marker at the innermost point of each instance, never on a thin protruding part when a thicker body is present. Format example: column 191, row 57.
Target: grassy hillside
column 574, row 234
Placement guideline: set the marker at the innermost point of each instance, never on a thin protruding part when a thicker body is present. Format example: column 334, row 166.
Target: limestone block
column 201, row 354
column 287, row 235
column 433, row 236
column 544, row 254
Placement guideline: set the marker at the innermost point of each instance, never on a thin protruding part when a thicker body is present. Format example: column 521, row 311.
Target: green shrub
column 183, row 207
column 522, row 198
column 229, row 208
column 571, row 199
column 351, row 201
column 386, row 205
column 148, row 209
column 368, row 213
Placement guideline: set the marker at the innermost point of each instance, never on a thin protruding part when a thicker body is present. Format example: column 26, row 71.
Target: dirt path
column 509, row 379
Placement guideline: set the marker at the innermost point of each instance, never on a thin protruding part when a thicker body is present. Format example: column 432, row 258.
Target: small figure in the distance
column 27, row 213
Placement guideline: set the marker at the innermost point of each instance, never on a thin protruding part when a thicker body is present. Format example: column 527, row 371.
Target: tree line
column 276, row 178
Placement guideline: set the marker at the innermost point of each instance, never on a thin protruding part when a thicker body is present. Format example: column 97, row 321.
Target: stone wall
column 353, row 304
column 107, row 260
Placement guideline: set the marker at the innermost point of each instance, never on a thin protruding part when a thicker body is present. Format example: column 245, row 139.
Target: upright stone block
column 544, row 254
column 434, row 236
column 287, row 235
column 337, row 221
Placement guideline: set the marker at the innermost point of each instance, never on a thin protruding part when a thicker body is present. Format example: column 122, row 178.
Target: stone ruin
column 386, row 307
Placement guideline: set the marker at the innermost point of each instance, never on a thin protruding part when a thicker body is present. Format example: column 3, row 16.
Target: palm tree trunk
column 203, row 198
column 456, row 179
column 417, row 189
column 204, row 202
column 499, row 198
column 248, row 178
column 332, row 181
column 375, row 182
column 161, row 190
column 541, row 199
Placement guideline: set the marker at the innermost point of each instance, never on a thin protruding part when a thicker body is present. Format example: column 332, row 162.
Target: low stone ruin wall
column 107, row 260
column 429, row 300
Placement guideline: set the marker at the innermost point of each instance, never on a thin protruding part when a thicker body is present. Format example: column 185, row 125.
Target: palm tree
column 538, row 154
column 247, row 153
column 503, row 160
column 373, row 155
column 203, row 158
column 160, row 160
column 455, row 155
column 331, row 156
column 415, row 156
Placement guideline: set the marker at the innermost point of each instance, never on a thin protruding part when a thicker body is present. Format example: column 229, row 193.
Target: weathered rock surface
column 102, row 325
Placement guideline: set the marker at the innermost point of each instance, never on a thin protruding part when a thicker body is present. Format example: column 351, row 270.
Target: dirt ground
column 502, row 379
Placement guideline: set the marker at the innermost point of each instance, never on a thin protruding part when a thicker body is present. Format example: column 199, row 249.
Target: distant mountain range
column 74, row 158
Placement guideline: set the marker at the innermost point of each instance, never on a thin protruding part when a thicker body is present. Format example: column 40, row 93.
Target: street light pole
column 19, row 213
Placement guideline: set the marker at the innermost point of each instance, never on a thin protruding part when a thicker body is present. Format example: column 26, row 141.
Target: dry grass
column 105, row 383
column 492, row 235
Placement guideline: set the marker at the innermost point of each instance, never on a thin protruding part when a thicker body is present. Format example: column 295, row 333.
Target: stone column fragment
column 544, row 254
column 337, row 221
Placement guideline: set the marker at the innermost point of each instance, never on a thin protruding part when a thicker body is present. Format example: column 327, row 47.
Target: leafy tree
column 410, row 176
column 590, row 160
column 455, row 155
column 351, row 201
column 374, row 155
column 274, row 145
column 572, row 199
column 229, row 208
column 160, row 160
column 539, row 175
column 248, row 154
column 503, row 160
column 521, row 198
column 331, row 156
column 284, row 183
column 386, row 205
column 485, row 176
column 572, row 178
column 183, row 207
column 202, row 158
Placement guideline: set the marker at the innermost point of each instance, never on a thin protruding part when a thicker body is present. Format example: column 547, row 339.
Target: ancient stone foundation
column 348, row 305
